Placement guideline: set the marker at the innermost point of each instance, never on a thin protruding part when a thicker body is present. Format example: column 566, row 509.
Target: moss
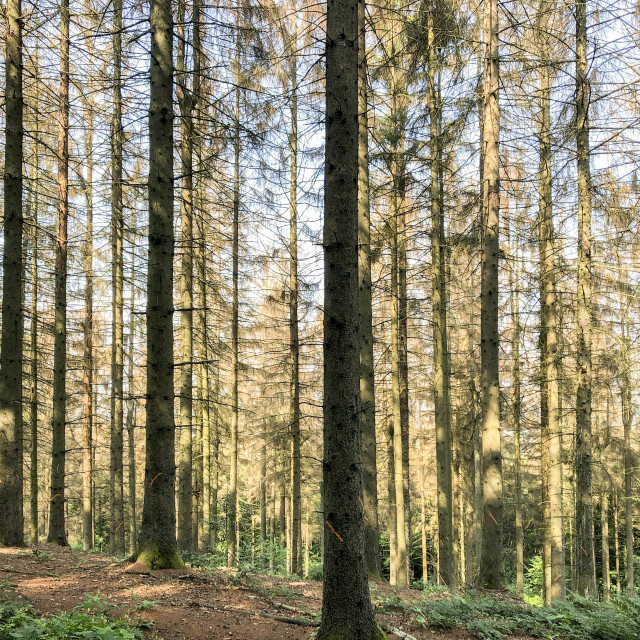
column 155, row 558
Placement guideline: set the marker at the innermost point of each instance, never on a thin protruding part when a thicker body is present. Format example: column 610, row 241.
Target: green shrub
column 87, row 622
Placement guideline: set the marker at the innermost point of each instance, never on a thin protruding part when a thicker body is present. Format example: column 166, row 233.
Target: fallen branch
column 397, row 632
column 295, row 621
column 300, row 623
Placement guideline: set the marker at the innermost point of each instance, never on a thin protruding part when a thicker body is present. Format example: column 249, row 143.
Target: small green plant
column 143, row 605
column 22, row 623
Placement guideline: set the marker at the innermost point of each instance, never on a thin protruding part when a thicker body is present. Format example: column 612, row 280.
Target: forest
column 343, row 292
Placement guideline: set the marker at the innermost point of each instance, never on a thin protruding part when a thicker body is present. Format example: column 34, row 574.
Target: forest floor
column 193, row 604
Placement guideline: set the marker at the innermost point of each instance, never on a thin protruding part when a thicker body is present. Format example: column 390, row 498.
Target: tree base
column 153, row 558
column 345, row 632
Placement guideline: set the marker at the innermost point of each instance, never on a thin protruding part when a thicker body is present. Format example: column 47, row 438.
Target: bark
column 116, row 480
column 367, row 389
column 11, row 447
column 346, row 607
column 491, row 566
column 158, row 538
column 57, row 532
column 585, row 552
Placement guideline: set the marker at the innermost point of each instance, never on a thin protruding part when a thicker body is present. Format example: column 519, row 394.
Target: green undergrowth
column 494, row 619
column 89, row 621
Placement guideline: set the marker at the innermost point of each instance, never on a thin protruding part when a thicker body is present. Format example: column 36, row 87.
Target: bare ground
column 191, row 604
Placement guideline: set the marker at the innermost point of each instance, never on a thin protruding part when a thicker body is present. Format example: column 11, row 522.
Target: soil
column 191, row 604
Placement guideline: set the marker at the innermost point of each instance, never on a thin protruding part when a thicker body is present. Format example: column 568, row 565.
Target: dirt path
column 183, row 605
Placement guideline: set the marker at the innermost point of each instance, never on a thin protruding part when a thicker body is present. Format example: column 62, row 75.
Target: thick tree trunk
column 491, row 566
column 585, row 552
column 116, row 481
column 347, row 613
column 57, row 532
column 158, row 536
column 11, row 446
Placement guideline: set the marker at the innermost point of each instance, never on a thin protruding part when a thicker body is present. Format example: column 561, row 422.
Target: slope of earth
column 191, row 604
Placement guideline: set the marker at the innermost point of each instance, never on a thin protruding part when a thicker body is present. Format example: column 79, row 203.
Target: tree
column 157, row 538
column 57, row 532
column 491, row 566
column 116, row 482
column 185, row 488
column 11, row 516
column 346, row 606
column 367, row 377
column 584, row 545
column 549, row 346
column 441, row 364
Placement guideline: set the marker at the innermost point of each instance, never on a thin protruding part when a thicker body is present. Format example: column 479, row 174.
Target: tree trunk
column 116, row 481
column 33, row 347
column 294, row 411
column 185, row 384
column 347, row 613
column 232, row 523
column 158, row 536
column 604, row 521
column 549, row 348
column 392, row 512
column 585, row 552
column 131, row 411
column 491, row 566
column 87, row 380
column 441, row 381
column 11, row 446
column 517, row 405
column 627, row 422
column 398, row 475
column 367, row 380
column 57, row 532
